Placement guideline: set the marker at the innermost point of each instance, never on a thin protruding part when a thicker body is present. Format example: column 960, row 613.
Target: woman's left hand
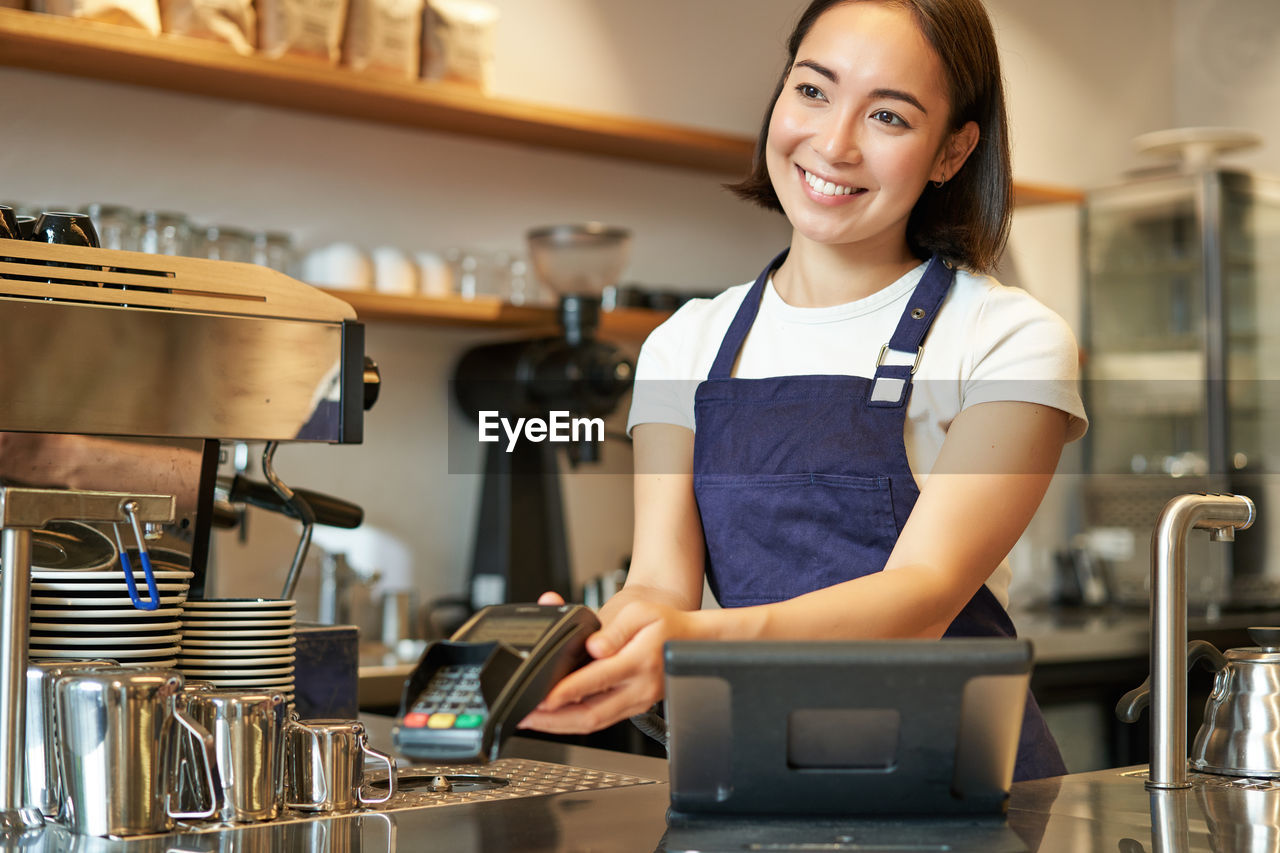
column 625, row 678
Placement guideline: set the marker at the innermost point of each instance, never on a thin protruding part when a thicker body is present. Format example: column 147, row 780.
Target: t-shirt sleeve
column 662, row 392
column 1024, row 352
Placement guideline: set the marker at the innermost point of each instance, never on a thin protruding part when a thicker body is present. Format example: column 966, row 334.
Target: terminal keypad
column 451, row 700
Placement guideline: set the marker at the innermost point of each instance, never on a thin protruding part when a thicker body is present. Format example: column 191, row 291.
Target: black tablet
column 849, row 728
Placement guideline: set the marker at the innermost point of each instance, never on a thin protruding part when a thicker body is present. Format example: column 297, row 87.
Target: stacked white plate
column 89, row 615
column 240, row 643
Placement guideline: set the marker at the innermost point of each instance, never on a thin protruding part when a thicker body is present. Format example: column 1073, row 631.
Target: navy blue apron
column 803, row 482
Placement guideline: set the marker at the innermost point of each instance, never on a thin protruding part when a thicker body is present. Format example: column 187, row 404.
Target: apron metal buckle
column 884, row 350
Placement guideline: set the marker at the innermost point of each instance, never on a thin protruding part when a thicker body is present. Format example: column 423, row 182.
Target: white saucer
column 237, row 657
column 106, row 653
column 266, row 659
column 117, row 575
column 236, row 615
column 125, row 601
column 91, row 613
column 271, row 633
column 257, row 649
column 165, row 663
column 277, row 684
column 104, row 628
column 266, row 672
column 214, row 624
column 45, row 586
column 67, row 642
column 197, row 621
column 283, row 642
column 243, row 603
column 245, row 663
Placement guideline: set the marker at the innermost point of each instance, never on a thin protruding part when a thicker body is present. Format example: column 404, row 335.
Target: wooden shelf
column 1027, row 195
column 195, row 66
column 630, row 324
column 120, row 54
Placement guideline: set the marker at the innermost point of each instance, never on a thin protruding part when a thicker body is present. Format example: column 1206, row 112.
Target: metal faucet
column 1222, row 516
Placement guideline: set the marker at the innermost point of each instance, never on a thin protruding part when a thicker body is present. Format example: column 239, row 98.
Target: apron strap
column 891, row 385
column 892, row 382
column 722, row 367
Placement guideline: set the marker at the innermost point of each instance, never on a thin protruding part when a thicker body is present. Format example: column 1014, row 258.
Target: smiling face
column 861, row 125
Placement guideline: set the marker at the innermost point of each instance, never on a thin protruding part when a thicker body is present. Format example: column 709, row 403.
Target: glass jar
column 117, row 226
column 274, row 249
column 164, row 233
column 480, row 273
column 225, row 243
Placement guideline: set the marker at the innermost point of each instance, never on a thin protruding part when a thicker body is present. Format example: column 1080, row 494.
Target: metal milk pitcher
column 118, row 752
column 248, row 733
column 42, row 783
column 324, row 766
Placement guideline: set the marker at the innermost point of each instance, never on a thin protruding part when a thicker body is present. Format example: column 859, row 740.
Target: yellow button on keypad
column 440, row 721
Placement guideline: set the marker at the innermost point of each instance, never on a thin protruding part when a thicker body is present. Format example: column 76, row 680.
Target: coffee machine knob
column 372, row 382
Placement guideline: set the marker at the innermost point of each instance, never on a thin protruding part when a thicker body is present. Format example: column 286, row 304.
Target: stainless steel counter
column 1104, row 810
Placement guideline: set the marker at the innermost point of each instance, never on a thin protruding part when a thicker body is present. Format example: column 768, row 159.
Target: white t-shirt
column 988, row 343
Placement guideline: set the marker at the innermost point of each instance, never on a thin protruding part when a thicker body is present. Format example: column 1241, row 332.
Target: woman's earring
column 939, row 184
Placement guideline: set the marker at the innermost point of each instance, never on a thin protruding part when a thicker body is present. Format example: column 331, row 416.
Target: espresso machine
column 120, row 375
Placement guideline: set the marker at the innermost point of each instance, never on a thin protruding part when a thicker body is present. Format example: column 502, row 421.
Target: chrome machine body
column 110, row 355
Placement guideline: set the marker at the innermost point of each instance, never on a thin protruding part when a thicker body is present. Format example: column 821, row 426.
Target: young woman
column 848, row 447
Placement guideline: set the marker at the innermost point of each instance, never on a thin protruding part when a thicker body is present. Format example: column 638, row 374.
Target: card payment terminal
column 467, row 693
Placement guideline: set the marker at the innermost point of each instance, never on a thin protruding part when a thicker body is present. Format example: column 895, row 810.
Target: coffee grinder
column 520, row 549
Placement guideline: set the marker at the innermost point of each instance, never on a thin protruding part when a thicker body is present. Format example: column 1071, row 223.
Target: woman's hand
column 625, row 678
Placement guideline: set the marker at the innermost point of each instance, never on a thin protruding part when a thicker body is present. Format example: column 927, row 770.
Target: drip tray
column 438, row 783
column 427, row 786
column 1214, row 780
column 420, row 786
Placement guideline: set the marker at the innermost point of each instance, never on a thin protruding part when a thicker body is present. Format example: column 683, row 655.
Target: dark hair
column 967, row 219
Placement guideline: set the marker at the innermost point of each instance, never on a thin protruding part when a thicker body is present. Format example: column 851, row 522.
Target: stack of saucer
column 89, row 616
column 240, row 643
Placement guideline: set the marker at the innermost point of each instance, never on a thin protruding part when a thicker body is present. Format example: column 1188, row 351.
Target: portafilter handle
column 327, row 510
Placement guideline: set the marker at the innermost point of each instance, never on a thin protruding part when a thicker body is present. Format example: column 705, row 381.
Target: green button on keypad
column 468, row 721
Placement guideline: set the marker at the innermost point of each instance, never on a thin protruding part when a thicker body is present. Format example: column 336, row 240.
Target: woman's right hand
column 625, row 678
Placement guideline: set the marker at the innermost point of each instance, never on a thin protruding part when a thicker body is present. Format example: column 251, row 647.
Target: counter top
column 1078, row 635
column 382, row 673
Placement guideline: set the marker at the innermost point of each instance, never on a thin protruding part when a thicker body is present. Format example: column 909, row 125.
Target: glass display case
column 1182, row 343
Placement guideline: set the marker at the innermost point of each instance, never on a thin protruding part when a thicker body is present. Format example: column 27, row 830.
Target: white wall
column 1083, row 78
column 1227, row 71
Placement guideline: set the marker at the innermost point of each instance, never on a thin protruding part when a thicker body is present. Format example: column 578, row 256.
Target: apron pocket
column 775, row 536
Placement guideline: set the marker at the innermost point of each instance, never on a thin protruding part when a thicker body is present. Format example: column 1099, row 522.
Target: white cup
column 394, row 272
column 341, row 266
column 435, row 274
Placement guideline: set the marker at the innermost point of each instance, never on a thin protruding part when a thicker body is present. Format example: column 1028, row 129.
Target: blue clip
column 130, row 509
